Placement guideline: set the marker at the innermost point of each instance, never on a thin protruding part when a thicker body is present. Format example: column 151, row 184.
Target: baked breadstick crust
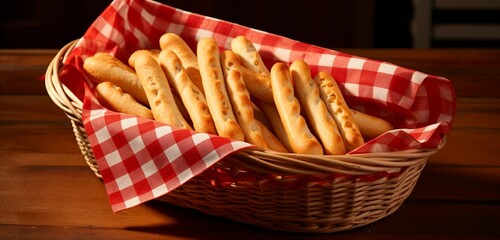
column 300, row 137
column 158, row 92
column 320, row 120
column 215, row 90
column 191, row 96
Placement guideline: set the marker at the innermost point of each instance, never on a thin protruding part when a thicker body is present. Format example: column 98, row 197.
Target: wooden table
column 48, row 192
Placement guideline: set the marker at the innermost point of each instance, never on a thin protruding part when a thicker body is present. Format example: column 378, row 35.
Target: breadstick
column 174, row 43
column 300, row 137
column 260, row 115
column 158, row 92
column 273, row 143
column 103, row 67
column 133, row 56
column 254, row 71
column 182, row 108
column 249, row 55
column 113, row 98
column 336, row 105
column 277, row 126
column 258, row 85
column 370, row 126
column 155, row 53
column 190, row 95
column 215, row 90
column 322, row 123
column 242, row 104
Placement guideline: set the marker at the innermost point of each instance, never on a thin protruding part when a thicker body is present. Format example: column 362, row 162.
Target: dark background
column 328, row 23
column 337, row 23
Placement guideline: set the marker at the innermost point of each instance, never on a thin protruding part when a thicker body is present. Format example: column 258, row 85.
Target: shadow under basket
column 285, row 192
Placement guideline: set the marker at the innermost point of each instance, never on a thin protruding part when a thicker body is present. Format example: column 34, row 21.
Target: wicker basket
column 286, row 192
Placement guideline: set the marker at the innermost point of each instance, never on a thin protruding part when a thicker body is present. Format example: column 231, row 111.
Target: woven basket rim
column 255, row 158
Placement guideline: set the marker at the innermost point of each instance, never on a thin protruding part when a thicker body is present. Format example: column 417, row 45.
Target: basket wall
column 332, row 206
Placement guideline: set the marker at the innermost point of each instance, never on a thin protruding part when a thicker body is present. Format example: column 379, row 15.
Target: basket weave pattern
column 287, row 192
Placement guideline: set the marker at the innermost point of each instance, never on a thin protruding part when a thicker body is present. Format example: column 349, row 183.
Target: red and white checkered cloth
column 141, row 159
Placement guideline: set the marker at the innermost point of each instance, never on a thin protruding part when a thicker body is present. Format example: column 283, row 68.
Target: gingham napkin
column 141, row 159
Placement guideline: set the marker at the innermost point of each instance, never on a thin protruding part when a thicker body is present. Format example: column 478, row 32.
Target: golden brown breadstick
column 274, row 118
column 242, row 104
column 273, row 143
column 260, row 115
column 155, row 53
column 243, row 109
column 370, row 126
column 258, row 85
column 249, row 55
column 300, row 137
column 158, row 92
column 336, row 105
column 190, row 95
column 182, row 108
column 322, row 123
column 133, row 56
column 103, row 67
column 174, row 43
column 215, row 90
column 113, row 98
